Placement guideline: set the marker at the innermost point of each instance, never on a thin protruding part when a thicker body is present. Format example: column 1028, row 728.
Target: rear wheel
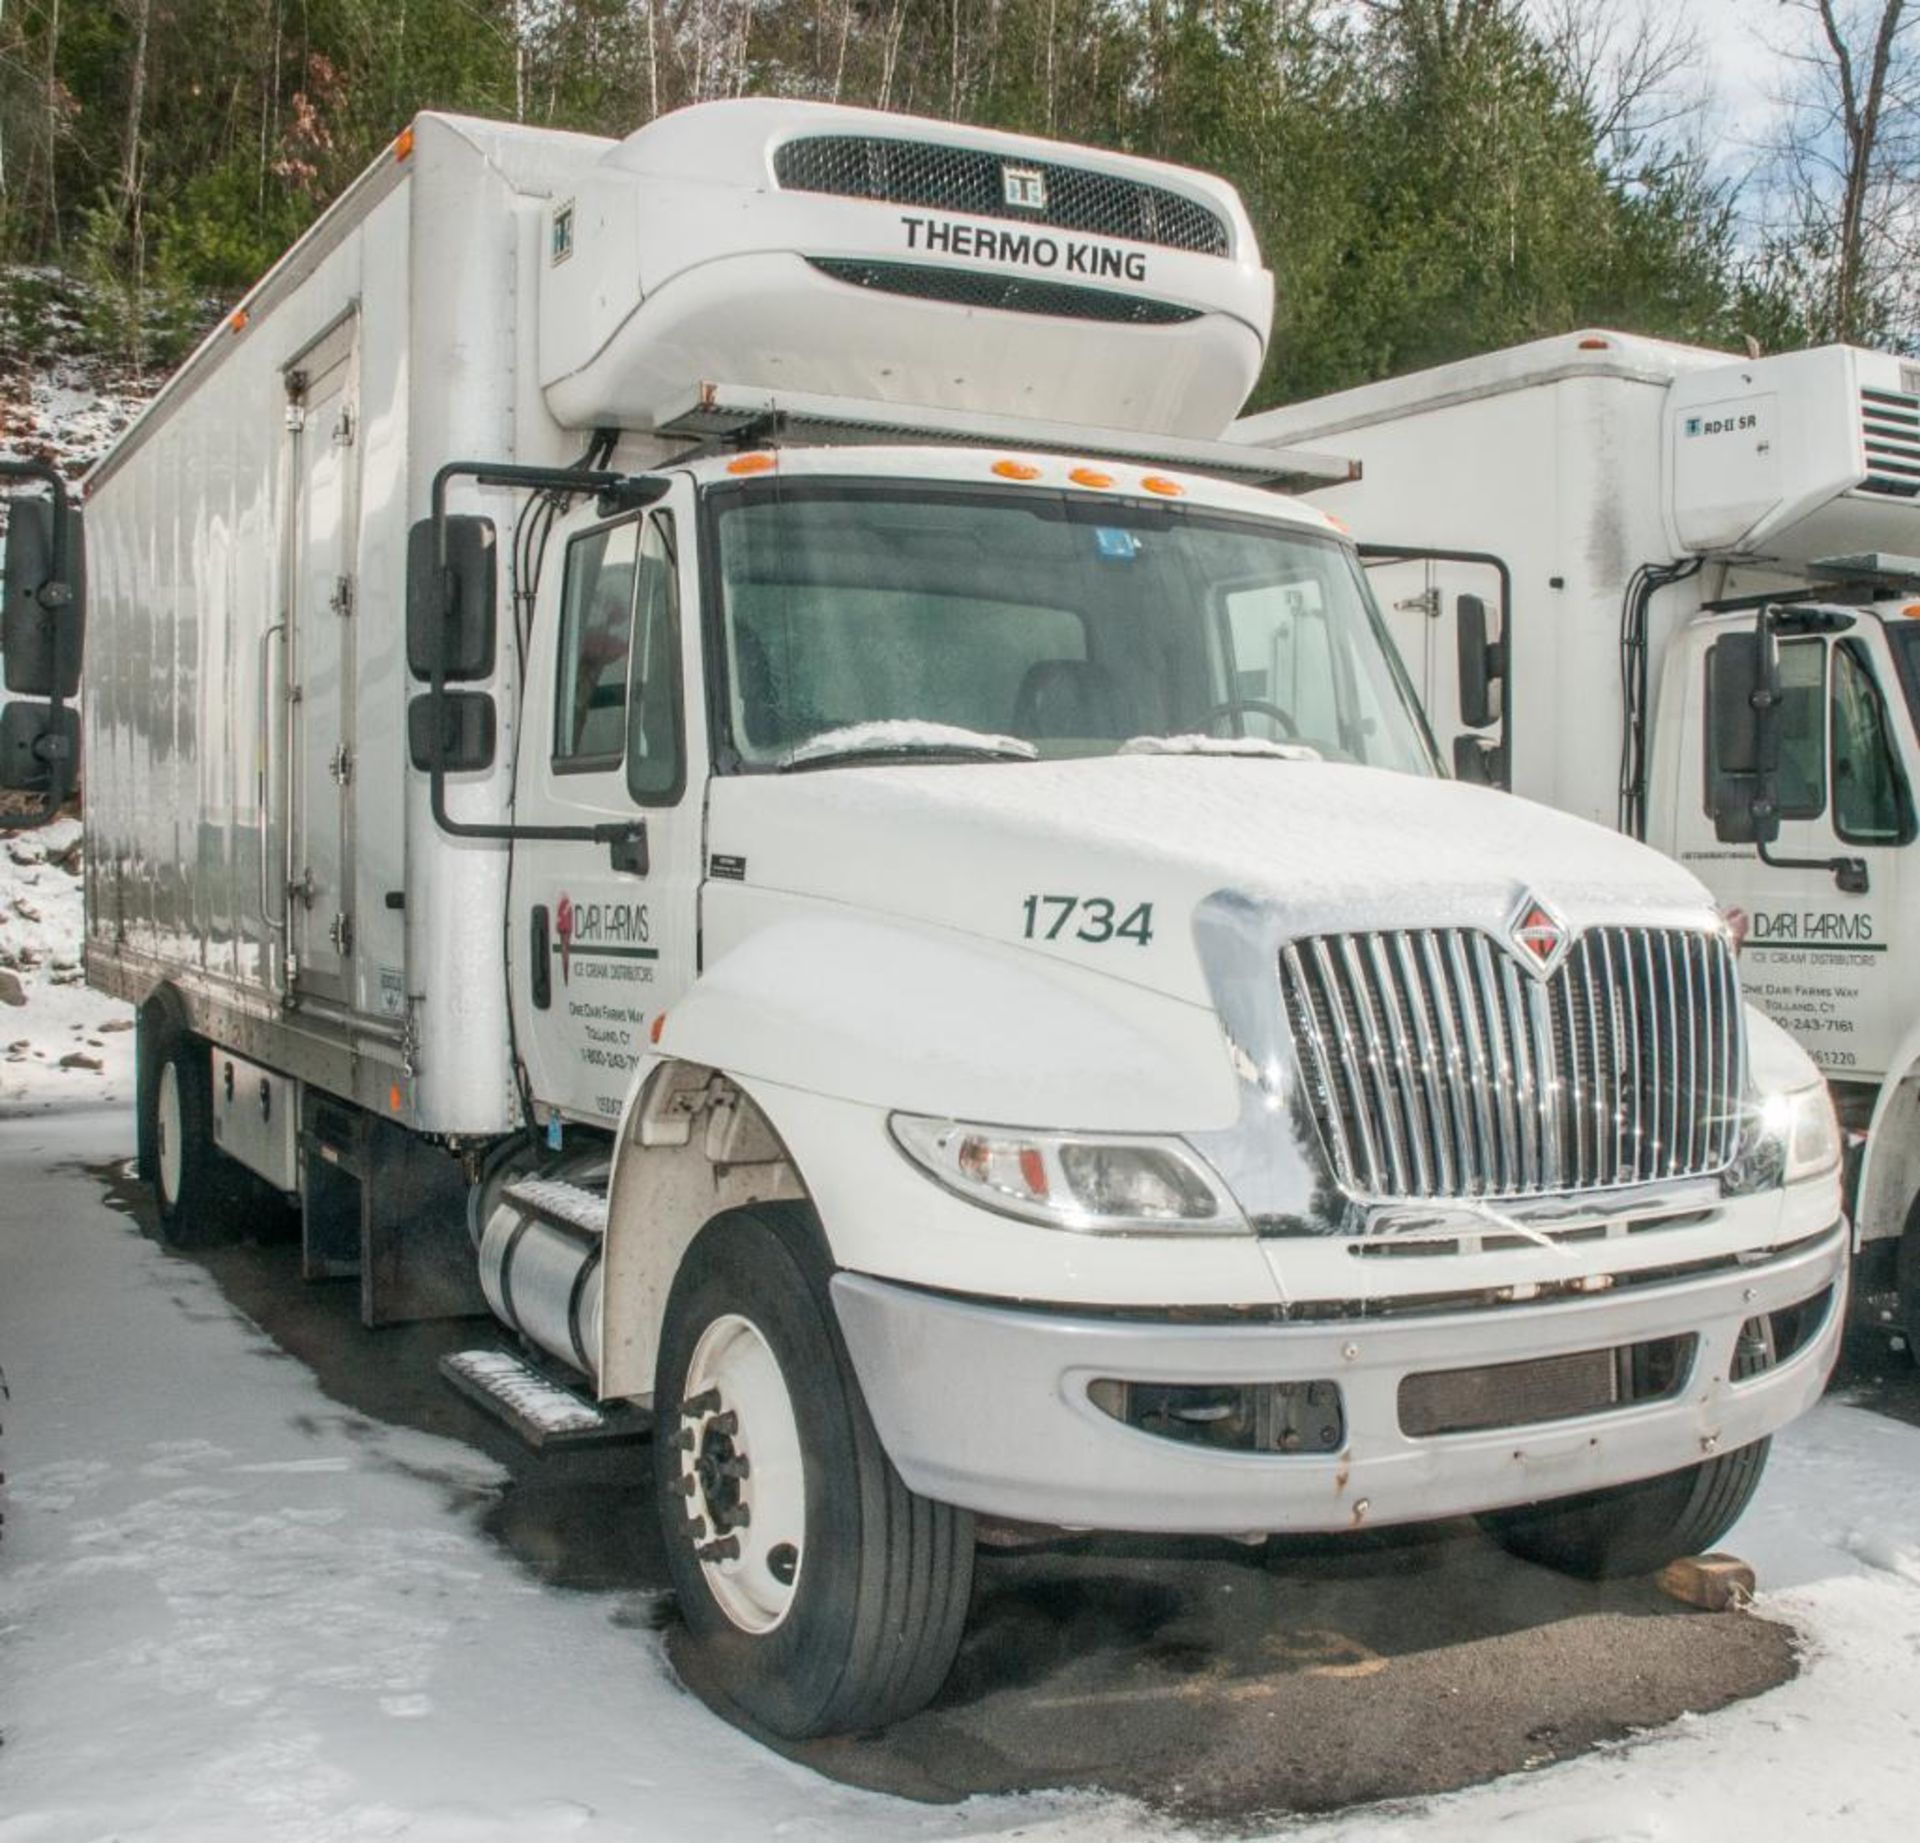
column 820, row 1595
column 203, row 1198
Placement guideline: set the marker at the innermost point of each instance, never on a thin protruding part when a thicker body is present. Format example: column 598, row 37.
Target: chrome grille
column 971, row 180
column 1890, row 433
column 1438, row 1066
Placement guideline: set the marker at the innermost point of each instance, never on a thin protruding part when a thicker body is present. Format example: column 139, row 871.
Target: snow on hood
column 1326, row 846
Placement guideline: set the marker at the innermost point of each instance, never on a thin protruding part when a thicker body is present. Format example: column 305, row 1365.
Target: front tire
column 820, row 1595
column 1636, row 1528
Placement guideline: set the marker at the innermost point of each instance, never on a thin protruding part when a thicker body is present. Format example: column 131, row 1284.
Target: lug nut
column 726, row 1548
column 696, row 1405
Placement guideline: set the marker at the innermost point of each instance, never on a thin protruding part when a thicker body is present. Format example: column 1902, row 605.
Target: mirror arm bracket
column 1849, row 874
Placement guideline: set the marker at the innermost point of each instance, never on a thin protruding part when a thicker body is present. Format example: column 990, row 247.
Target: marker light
column 656, row 1027
column 1016, row 470
column 1089, row 1182
column 237, row 320
column 1090, row 476
column 752, row 464
column 1596, row 345
column 403, row 144
column 1159, row 483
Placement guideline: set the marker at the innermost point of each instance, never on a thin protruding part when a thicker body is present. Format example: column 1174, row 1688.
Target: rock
column 25, row 910
column 20, row 1046
column 79, row 1059
column 1714, row 1583
column 13, row 989
column 114, row 1025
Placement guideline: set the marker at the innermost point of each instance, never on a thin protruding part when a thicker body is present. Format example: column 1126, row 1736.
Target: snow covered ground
column 232, row 1609
column 60, row 1041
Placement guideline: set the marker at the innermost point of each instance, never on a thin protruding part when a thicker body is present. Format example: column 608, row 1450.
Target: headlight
column 1787, row 1138
column 1082, row 1181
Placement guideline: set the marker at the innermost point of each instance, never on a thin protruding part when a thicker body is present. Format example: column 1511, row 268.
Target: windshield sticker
column 1117, row 545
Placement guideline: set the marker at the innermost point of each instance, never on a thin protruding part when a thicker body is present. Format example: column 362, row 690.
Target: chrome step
column 544, row 1412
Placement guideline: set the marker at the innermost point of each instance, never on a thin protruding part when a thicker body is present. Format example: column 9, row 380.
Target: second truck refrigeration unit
column 687, row 738
column 1654, row 503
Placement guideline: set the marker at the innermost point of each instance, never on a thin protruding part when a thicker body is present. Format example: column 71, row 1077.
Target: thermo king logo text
column 1039, row 252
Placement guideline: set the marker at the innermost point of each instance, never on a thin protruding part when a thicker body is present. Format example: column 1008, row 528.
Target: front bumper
column 986, row 1406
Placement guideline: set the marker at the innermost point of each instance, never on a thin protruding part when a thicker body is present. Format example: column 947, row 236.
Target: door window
column 596, row 633
column 618, row 696
column 1870, row 805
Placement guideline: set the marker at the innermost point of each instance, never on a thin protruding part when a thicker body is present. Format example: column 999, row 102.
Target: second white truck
column 688, row 741
column 1658, row 511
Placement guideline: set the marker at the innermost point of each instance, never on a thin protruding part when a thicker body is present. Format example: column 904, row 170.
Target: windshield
column 957, row 622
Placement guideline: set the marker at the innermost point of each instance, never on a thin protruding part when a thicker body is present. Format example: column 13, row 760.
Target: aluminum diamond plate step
column 544, row 1412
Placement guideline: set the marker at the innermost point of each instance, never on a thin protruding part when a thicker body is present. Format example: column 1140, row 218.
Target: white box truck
column 1667, row 518
column 690, row 737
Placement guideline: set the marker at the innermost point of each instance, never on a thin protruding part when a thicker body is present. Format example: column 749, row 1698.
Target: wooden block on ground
column 1714, row 1583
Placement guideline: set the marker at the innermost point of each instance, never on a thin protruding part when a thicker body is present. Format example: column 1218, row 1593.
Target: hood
column 1104, row 861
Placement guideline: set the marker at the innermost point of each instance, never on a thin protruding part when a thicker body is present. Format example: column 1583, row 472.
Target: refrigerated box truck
column 696, row 742
column 1661, row 511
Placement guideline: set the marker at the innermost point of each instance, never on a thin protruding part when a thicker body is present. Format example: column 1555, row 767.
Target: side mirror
column 454, row 609
column 1482, row 665
column 1479, row 762
column 1743, row 736
column 465, row 738
column 39, row 749
column 44, row 608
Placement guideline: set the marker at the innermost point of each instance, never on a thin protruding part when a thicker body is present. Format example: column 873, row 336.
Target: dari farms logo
column 610, row 931
column 1539, row 936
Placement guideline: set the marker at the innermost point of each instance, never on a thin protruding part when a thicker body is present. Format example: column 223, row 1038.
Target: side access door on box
column 319, row 545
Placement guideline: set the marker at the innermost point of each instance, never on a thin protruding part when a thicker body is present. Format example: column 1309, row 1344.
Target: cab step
column 566, row 1206
column 550, row 1415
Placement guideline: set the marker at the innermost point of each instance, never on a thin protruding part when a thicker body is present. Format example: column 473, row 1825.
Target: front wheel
column 1636, row 1528
column 820, row 1595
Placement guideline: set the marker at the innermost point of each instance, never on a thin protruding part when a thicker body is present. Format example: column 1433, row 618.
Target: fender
column 1890, row 1172
column 884, row 1016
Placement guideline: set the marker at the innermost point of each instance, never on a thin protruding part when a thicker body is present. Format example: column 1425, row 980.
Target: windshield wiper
column 903, row 740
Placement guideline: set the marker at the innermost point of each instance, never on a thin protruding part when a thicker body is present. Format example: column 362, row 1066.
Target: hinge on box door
column 1427, row 602
column 340, row 933
column 340, row 764
column 343, row 429
column 341, row 600
column 296, row 416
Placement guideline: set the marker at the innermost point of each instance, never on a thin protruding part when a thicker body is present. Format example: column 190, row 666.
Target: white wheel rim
column 167, row 1135
column 752, row 1566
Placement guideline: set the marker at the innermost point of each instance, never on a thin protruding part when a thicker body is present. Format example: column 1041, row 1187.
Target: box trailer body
column 1649, row 500
column 689, row 740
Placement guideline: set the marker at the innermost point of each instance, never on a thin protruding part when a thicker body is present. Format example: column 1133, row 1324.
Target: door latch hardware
column 340, row 764
column 306, row 889
column 341, row 600
column 340, row 933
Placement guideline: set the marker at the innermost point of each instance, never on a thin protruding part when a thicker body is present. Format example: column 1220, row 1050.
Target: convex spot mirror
column 39, row 748
column 43, row 614
column 453, row 610
column 466, row 731
column 1743, row 736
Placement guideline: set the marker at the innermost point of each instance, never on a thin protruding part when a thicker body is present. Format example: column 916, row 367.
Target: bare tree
column 1634, row 66
column 1846, row 159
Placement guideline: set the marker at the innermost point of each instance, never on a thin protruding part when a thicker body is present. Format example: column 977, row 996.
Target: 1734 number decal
column 1087, row 918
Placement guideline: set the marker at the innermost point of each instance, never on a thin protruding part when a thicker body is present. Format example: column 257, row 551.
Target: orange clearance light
column 752, row 464
column 1911, row 611
column 1159, row 483
column 1016, row 470
column 403, row 144
column 1596, row 345
column 393, row 1098
column 237, row 320
column 1339, row 524
column 656, row 1027
column 1090, row 476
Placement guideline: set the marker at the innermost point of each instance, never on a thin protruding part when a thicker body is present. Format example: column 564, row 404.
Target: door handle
column 540, row 959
